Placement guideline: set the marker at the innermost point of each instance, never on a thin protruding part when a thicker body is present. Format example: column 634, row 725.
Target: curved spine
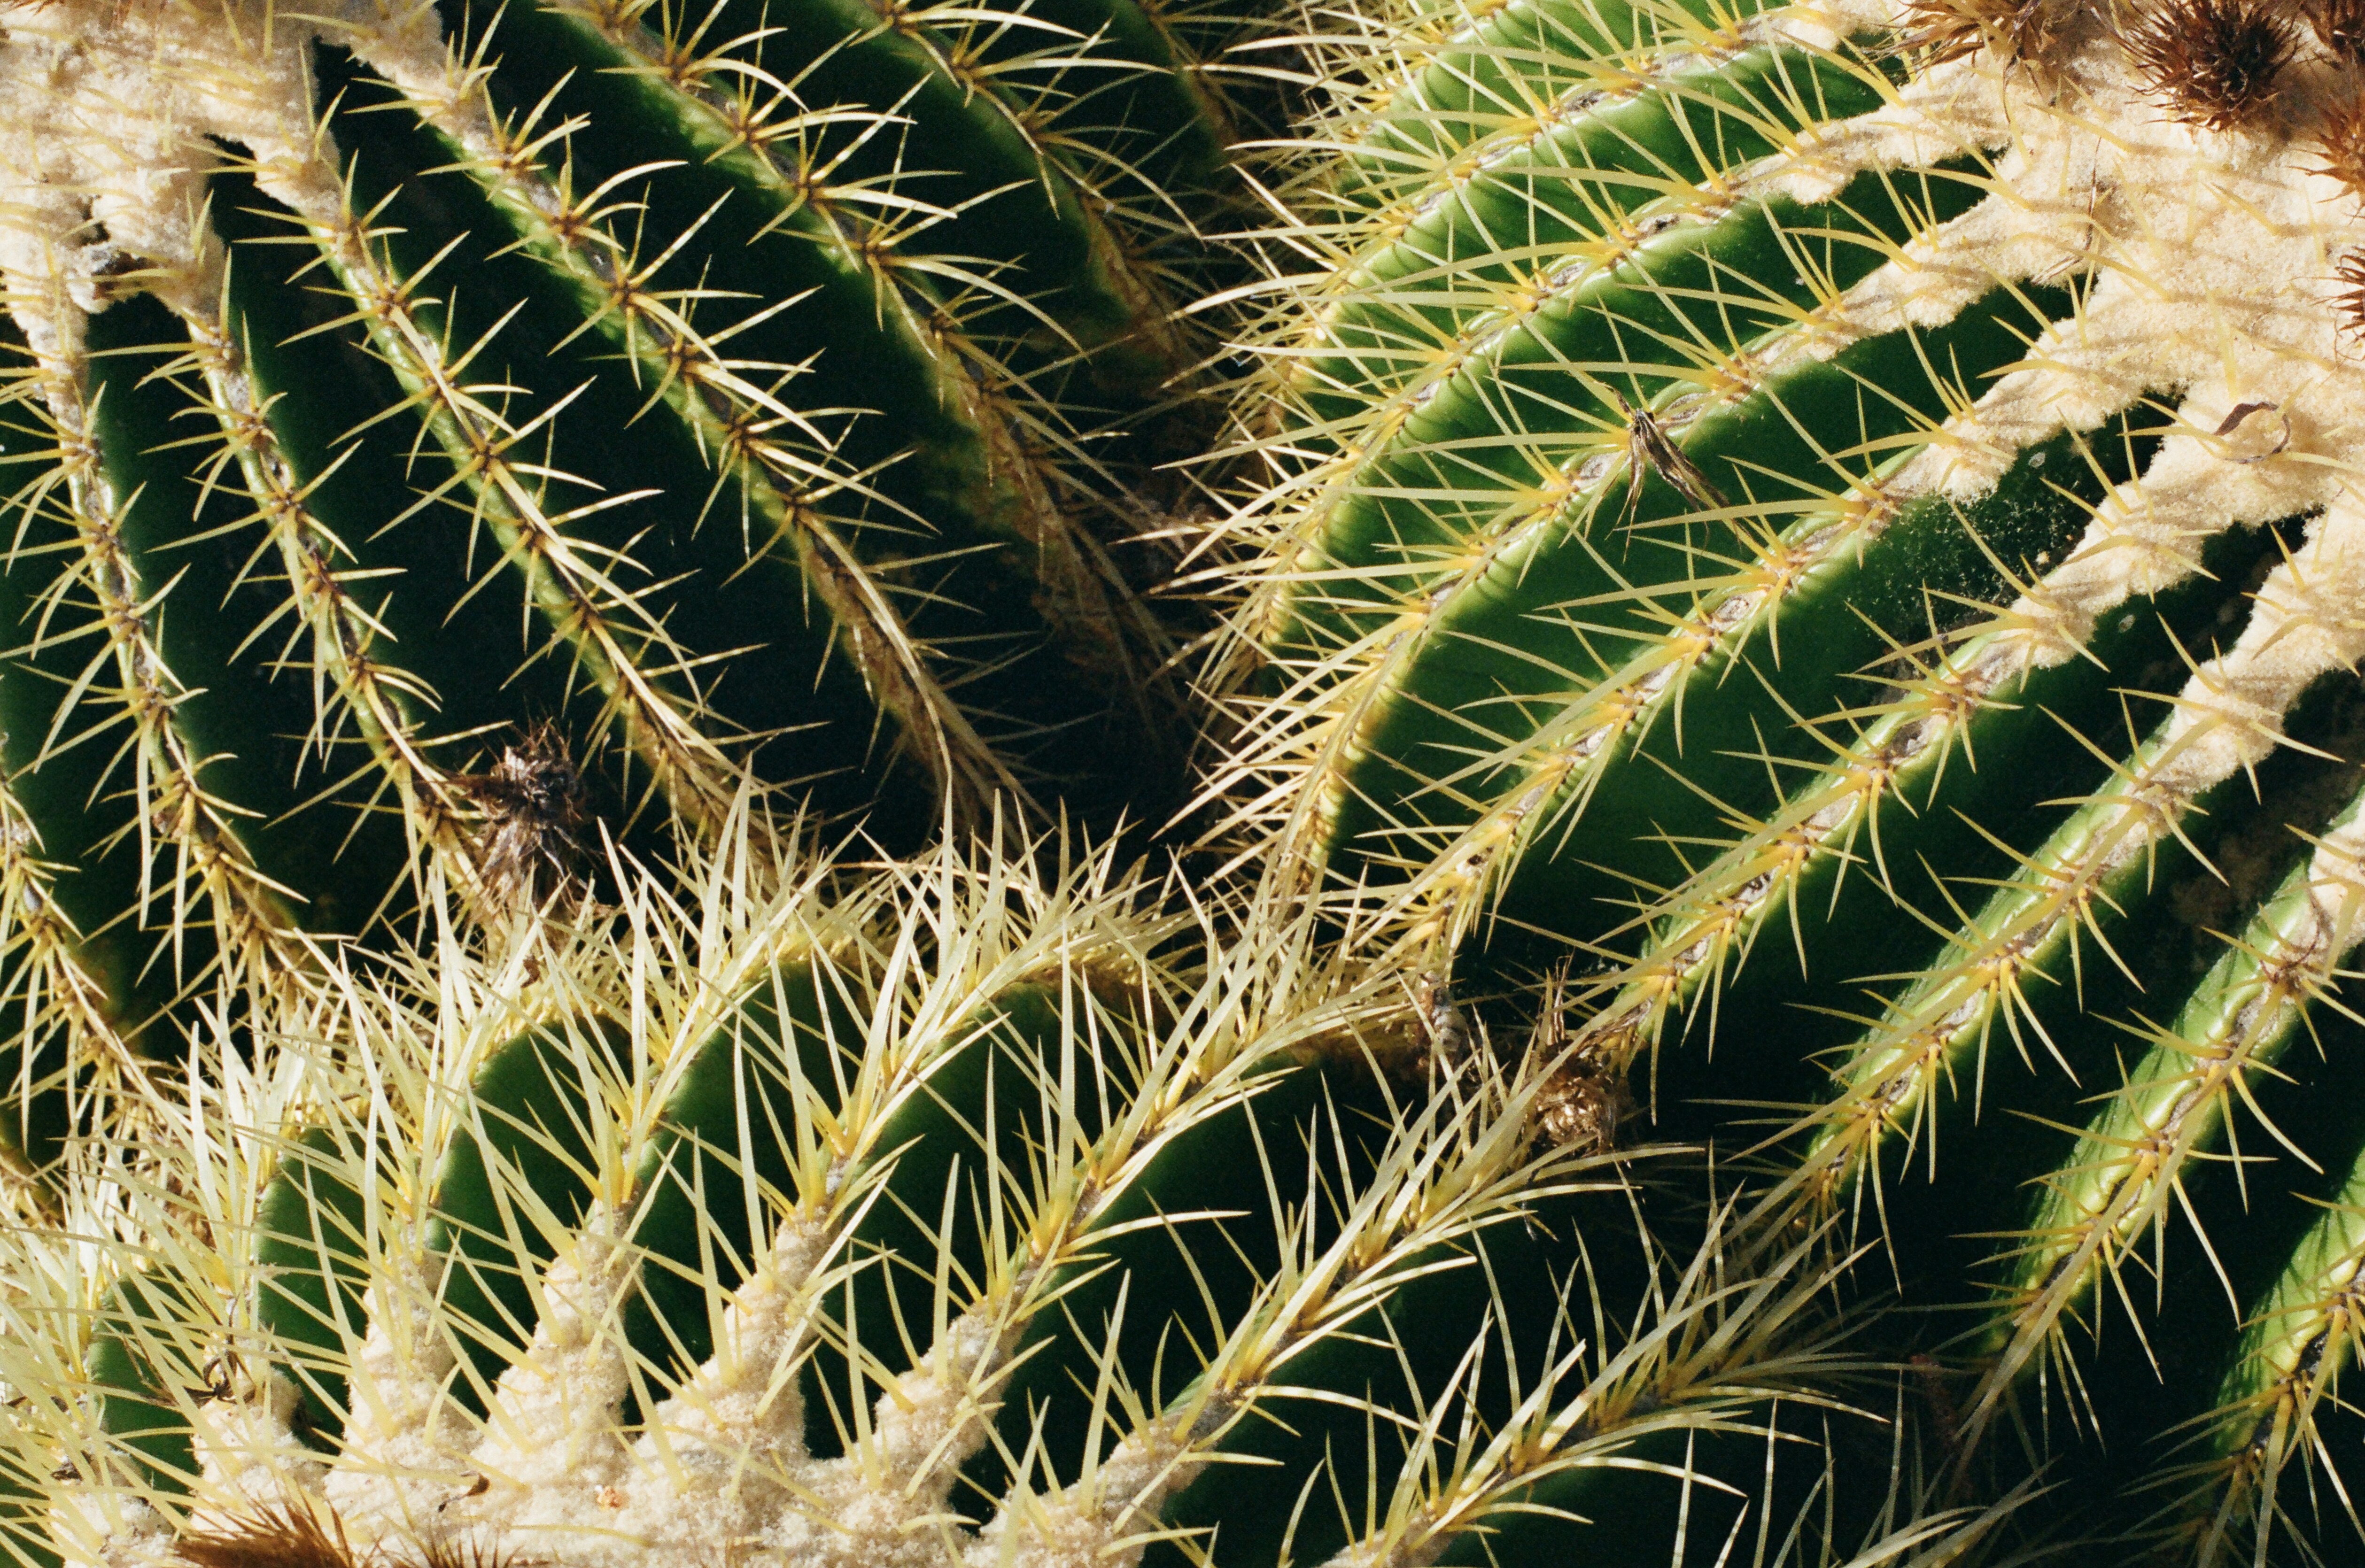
column 2128, row 1165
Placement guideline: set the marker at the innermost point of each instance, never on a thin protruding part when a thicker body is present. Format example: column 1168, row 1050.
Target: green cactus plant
column 937, row 1214
column 432, row 436
column 1843, row 520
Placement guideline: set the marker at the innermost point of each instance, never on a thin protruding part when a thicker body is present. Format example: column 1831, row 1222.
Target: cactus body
column 935, row 1216
column 1845, row 517
column 696, row 399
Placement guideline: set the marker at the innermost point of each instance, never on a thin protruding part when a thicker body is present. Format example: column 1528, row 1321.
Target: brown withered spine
column 530, row 847
column 2339, row 26
column 2217, row 63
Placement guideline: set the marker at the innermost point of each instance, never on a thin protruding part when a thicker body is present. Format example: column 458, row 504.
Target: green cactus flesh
column 1819, row 540
column 1842, row 522
column 927, row 1217
column 760, row 396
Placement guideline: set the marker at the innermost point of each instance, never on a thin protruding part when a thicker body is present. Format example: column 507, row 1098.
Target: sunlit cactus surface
column 1843, row 521
column 935, row 1215
column 439, row 437
column 1797, row 587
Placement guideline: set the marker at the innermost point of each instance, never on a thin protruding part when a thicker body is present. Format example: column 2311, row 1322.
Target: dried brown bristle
column 1650, row 449
column 2340, row 26
column 297, row 1538
column 1582, row 1098
column 1936, row 31
column 2214, row 62
column 2349, row 272
column 531, row 843
column 277, row 1538
column 2342, row 138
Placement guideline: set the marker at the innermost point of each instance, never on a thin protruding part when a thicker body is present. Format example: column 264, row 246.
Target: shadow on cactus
column 1845, row 518
column 718, row 393
column 928, row 1215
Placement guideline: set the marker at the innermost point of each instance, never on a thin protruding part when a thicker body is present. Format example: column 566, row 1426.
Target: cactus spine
column 1847, row 516
column 603, row 394
column 933, row 1215
column 1839, row 516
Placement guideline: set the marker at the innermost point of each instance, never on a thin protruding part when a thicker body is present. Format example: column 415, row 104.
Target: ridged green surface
column 752, row 397
column 994, row 1187
column 1747, row 994
column 1601, row 622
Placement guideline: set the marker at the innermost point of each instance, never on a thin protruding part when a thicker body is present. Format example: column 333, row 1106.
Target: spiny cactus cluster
column 415, row 421
column 926, row 1216
column 1846, row 520
column 1761, row 968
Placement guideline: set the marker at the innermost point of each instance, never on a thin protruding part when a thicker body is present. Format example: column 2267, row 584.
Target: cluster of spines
column 1631, row 468
column 1026, row 378
column 654, row 1054
column 1414, row 325
column 1430, row 813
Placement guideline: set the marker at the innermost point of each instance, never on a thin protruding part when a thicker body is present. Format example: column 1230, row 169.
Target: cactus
column 928, row 1215
column 1844, row 518
column 437, row 446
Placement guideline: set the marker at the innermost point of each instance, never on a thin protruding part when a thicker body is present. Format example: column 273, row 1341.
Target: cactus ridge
column 1841, row 517
column 726, row 397
column 1776, row 979
column 937, row 1213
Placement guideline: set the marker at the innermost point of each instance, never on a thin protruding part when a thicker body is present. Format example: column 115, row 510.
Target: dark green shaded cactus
column 939, row 1215
column 439, row 440
column 1841, row 521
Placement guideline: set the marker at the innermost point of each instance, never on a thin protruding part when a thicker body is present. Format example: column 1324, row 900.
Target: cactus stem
column 737, row 424
column 185, row 836
column 377, row 696
column 2227, row 719
column 596, row 620
column 2291, row 1357
column 2130, row 1168
column 2146, row 537
column 295, row 161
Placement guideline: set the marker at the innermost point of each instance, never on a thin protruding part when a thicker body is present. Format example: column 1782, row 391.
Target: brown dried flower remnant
column 2341, row 138
column 2340, row 26
column 1937, row 32
column 279, row 1538
column 2351, row 273
column 531, row 843
column 1584, row 1098
column 1578, row 1109
column 2214, row 62
column 299, row 1537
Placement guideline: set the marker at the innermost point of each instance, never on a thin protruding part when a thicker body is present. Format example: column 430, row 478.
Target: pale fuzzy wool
column 552, row 1442
column 107, row 112
column 405, row 1438
column 2335, row 889
column 722, row 1468
column 2309, row 621
column 1093, row 1522
column 723, row 1448
column 254, row 1461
